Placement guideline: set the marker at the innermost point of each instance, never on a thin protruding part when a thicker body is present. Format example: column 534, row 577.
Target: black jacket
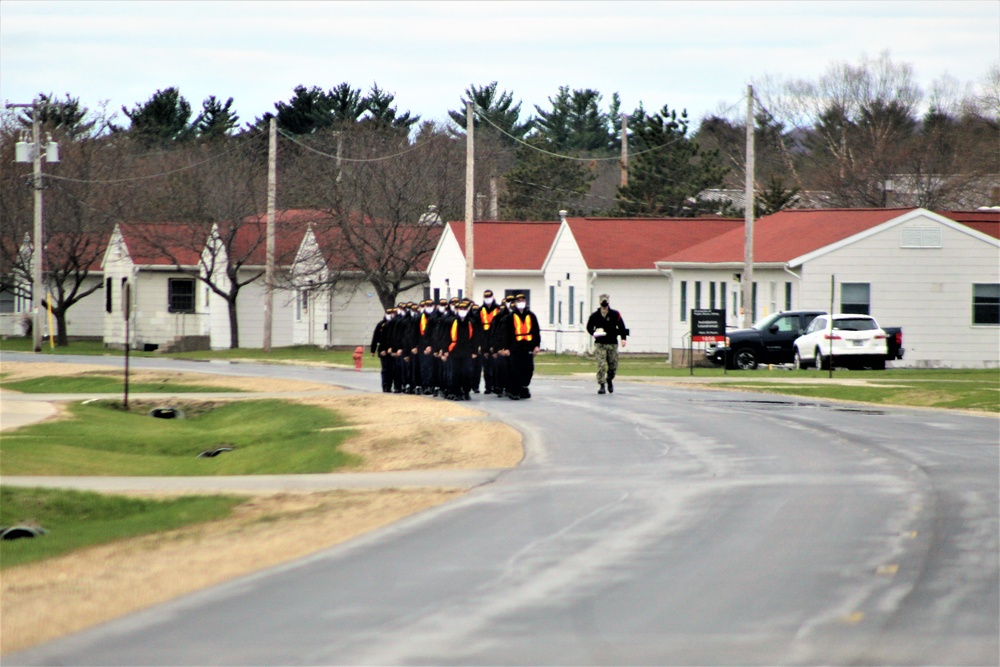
column 613, row 325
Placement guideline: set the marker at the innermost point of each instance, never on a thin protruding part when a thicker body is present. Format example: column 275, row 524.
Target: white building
column 936, row 275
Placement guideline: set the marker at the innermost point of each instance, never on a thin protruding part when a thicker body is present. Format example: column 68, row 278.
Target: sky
column 698, row 56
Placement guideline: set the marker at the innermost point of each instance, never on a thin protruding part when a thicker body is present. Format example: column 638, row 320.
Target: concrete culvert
column 211, row 453
column 17, row 532
column 167, row 413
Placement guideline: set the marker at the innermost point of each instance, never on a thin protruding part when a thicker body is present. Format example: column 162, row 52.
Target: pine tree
column 576, row 121
column 668, row 169
column 217, row 120
column 163, row 118
column 542, row 184
column 498, row 108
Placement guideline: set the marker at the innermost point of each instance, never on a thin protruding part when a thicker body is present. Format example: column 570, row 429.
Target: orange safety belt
column 522, row 329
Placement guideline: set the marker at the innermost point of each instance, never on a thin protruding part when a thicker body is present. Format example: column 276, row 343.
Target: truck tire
column 745, row 359
column 822, row 363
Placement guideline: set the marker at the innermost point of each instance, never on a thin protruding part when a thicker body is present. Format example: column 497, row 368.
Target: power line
column 412, row 148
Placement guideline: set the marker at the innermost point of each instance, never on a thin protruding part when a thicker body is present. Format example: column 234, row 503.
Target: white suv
column 854, row 341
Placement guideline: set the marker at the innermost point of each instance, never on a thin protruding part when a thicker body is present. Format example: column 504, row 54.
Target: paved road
column 653, row 526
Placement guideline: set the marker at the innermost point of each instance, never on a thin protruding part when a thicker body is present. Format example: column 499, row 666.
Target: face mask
column 604, row 304
column 388, row 318
column 488, row 301
column 441, row 309
column 428, row 310
column 462, row 313
column 521, row 305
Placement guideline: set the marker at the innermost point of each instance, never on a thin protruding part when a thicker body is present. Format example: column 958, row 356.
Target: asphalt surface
column 657, row 525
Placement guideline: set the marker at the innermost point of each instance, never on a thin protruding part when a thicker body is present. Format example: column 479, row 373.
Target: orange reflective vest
column 423, row 323
column 522, row 328
column 486, row 317
column 454, row 334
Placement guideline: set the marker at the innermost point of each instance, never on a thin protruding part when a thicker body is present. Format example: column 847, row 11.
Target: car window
column 854, row 324
column 817, row 324
column 787, row 323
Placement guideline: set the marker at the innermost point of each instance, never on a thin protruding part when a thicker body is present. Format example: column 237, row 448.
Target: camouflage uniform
column 607, row 361
column 606, row 327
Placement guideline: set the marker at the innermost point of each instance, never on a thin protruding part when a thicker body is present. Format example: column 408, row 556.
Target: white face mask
column 462, row 313
column 488, row 301
column 441, row 309
column 521, row 305
column 388, row 317
column 428, row 310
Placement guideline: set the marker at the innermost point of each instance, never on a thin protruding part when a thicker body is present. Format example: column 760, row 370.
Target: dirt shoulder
column 42, row 601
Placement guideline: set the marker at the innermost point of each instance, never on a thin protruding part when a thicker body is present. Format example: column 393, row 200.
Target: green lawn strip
column 103, row 382
column 268, row 437
column 76, row 519
column 960, row 394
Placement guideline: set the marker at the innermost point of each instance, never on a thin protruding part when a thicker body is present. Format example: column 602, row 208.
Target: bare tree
column 82, row 200
column 373, row 199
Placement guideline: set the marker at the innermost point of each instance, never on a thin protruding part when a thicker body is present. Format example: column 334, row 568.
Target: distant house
column 508, row 257
column 335, row 304
column 162, row 302
column 617, row 256
column 937, row 275
column 68, row 260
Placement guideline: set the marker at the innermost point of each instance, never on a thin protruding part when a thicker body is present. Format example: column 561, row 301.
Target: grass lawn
column 76, row 519
column 101, row 382
column 268, row 437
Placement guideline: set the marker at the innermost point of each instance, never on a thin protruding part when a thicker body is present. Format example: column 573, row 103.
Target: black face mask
column 604, row 304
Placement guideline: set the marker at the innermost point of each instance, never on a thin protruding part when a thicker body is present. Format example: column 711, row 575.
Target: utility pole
column 272, row 185
column 32, row 152
column 748, row 219
column 470, row 199
column 624, row 164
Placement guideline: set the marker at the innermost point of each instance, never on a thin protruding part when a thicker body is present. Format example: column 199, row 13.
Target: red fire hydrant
column 358, row 355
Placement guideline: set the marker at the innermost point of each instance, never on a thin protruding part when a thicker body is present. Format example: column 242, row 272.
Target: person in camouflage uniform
column 606, row 326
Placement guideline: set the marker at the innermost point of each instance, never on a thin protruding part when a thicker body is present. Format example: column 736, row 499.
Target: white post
column 748, row 219
column 272, row 182
column 470, row 200
column 624, row 164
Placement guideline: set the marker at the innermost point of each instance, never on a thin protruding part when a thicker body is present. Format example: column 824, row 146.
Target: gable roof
column 159, row 243
column 637, row 243
column 502, row 245
column 782, row 236
column 794, row 234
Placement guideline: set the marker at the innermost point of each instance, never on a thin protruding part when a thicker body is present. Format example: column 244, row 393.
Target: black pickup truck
column 770, row 340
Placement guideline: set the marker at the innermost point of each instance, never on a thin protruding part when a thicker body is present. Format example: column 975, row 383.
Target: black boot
column 611, row 386
column 601, row 390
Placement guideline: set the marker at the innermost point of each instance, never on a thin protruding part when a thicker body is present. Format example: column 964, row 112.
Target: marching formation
column 449, row 348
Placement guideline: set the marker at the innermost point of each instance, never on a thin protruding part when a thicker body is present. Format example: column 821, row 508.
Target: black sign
column 708, row 325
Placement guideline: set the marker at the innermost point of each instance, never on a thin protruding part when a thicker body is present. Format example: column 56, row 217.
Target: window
column 552, row 304
column 986, row 304
column 109, row 298
column 6, row 301
column 855, row 298
column 722, row 297
column 697, row 294
column 570, row 302
column 788, row 296
column 180, row 295
column 711, row 295
column 684, row 301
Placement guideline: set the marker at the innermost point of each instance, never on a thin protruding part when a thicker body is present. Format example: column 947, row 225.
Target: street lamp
column 31, row 151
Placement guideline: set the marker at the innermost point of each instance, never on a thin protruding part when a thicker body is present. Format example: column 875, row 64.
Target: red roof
column 785, row 235
column 164, row 243
column 384, row 246
column 508, row 245
column 629, row 243
column 987, row 222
